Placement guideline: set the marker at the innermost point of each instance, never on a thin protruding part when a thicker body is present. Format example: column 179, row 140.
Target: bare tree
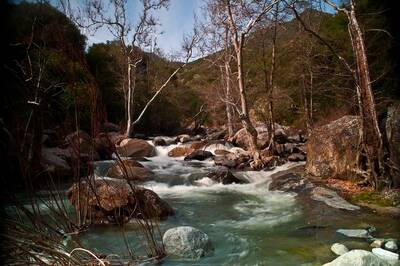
column 371, row 138
column 132, row 37
column 241, row 18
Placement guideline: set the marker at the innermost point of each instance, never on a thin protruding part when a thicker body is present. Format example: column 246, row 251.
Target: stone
column 377, row 243
column 391, row 245
column 289, row 182
column 104, row 146
column 332, row 149
column 180, row 151
column 339, row 249
column 356, row 233
column 224, row 176
column 200, row 155
column 55, row 160
column 296, row 157
column 183, row 138
column 331, row 198
column 159, row 141
column 241, row 138
column 81, row 147
column 136, row 148
column 390, row 257
column 187, row 242
column 358, row 257
column 130, row 170
column 102, row 199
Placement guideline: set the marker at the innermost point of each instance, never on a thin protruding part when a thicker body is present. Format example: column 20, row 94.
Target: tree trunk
column 370, row 133
column 244, row 116
column 228, row 97
column 129, row 100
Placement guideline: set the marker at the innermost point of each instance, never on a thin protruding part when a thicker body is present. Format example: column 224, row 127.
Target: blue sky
column 175, row 22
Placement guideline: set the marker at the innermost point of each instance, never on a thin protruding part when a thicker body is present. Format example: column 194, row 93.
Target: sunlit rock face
column 332, row 148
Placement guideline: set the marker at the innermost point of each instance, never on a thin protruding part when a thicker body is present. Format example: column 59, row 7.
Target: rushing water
column 248, row 224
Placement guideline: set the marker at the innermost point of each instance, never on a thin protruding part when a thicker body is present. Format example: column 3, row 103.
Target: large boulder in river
column 332, row 149
column 200, row 155
column 136, row 148
column 358, row 257
column 393, row 137
column 180, row 151
column 187, row 242
column 81, row 146
column 103, row 199
column 104, row 146
column 130, row 170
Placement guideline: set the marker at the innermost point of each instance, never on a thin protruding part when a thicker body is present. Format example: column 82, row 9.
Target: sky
column 175, row 21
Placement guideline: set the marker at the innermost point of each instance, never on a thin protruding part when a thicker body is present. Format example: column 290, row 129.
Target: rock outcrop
column 332, row 149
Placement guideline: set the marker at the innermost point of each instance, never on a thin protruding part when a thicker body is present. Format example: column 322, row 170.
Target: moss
column 371, row 198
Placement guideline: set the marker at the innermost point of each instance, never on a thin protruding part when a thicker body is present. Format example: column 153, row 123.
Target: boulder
column 393, row 138
column 339, row 249
column 183, row 138
column 130, row 170
column 390, row 257
column 358, row 257
column 224, row 176
column 200, row 155
column 377, row 243
column 136, row 148
column 55, row 160
column 110, row 127
column 81, row 146
column 355, row 233
column 187, row 242
column 289, row 182
column 198, row 145
column 217, row 135
column 103, row 199
column 180, row 151
column 332, row 149
column 104, row 146
column 391, row 245
column 241, row 138
column 331, row 198
column 233, row 160
column 159, row 141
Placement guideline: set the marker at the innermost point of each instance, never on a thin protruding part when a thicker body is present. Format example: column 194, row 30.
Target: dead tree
column 242, row 16
column 370, row 135
column 113, row 14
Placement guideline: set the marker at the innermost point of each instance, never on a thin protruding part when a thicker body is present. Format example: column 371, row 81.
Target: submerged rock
column 187, row 242
column 358, row 257
column 339, row 249
column 332, row 199
column 224, row 176
column 356, row 233
column 105, row 200
column 199, row 155
column 333, row 148
column 136, row 148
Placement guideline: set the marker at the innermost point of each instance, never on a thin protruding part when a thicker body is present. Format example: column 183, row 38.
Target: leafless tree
column 371, row 138
column 241, row 18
